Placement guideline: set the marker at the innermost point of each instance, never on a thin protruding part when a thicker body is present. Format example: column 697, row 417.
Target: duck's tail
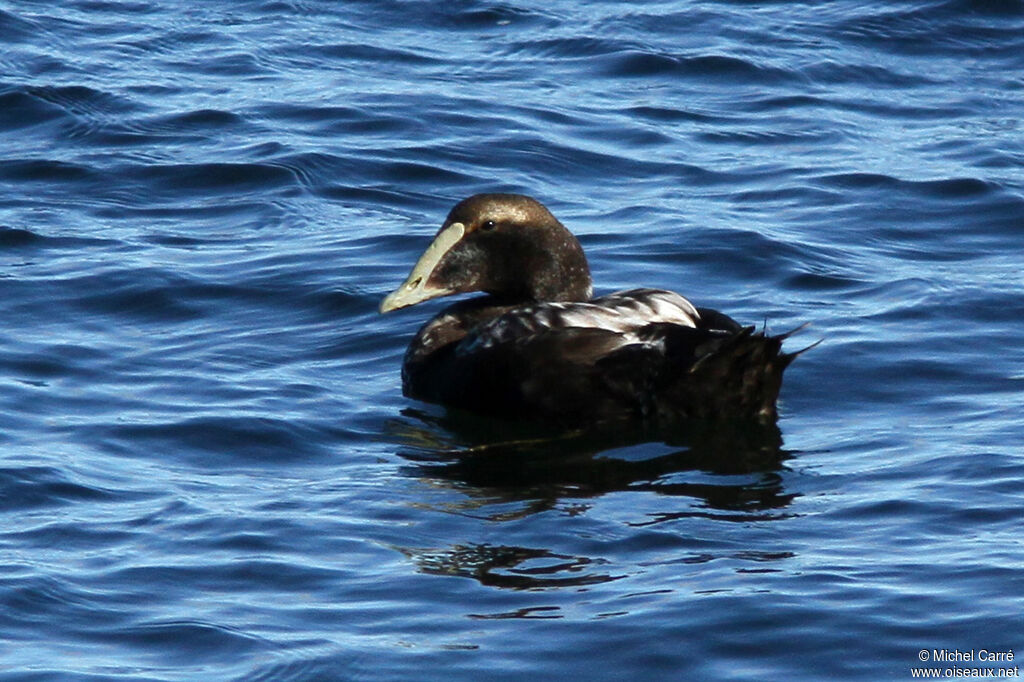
column 735, row 375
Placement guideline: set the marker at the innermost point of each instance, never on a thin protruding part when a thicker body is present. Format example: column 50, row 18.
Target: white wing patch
column 623, row 313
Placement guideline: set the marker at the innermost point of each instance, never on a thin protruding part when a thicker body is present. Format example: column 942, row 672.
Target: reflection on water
column 503, row 472
column 511, row 567
column 737, row 464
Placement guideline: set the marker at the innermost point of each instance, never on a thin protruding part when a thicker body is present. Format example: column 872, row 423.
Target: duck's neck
column 558, row 270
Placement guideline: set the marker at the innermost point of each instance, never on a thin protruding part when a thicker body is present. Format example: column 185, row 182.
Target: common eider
column 537, row 346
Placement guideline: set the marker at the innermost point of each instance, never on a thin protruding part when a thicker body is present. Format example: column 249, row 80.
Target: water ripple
column 34, row 487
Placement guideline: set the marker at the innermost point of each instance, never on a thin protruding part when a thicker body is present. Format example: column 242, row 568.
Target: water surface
column 209, row 471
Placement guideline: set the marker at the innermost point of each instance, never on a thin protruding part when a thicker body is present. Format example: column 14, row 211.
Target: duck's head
column 508, row 245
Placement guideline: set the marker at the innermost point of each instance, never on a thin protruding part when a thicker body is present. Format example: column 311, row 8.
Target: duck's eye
column 487, row 225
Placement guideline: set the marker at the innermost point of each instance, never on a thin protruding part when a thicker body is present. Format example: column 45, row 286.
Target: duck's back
column 644, row 354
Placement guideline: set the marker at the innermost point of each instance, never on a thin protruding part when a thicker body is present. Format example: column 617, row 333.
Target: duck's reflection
column 736, row 466
column 511, row 567
column 505, row 471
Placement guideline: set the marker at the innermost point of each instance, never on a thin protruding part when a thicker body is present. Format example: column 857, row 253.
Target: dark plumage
column 538, row 347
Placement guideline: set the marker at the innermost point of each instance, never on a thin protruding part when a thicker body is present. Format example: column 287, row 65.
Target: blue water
column 209, row 472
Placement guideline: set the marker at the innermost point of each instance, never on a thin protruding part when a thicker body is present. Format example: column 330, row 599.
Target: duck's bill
column 415, row 288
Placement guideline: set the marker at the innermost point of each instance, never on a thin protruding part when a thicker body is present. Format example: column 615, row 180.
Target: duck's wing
column 566, row 361
column 623, row 314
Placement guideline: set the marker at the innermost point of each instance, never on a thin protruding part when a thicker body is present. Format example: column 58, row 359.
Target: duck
column 537, row 345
